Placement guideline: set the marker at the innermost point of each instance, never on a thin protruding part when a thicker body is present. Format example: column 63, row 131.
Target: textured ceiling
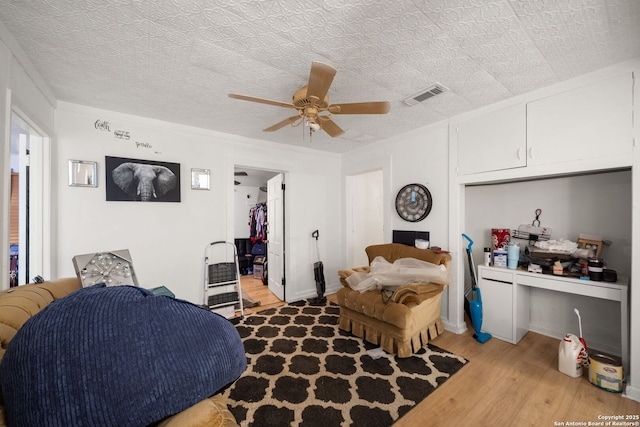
column 176, row 60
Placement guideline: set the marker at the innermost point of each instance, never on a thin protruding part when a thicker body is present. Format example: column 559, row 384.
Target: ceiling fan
column 312, row 99
column 239, row 173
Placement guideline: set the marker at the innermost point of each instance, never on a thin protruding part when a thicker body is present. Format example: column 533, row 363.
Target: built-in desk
column 506, row 303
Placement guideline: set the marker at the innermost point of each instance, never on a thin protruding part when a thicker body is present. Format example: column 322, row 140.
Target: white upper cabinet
column 492, row 141
column 590, row 122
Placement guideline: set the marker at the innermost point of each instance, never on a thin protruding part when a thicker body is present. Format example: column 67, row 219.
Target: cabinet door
column 497, row 309
column 493, row 141
column 589, row 122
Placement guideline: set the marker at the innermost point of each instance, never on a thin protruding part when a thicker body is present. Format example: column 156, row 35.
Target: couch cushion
column 61, row 287
column 106, row 356
column 17, row 305
column 395, row 251
column 206, row 413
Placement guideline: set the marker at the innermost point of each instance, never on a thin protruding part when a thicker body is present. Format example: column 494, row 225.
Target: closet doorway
column 254, row 216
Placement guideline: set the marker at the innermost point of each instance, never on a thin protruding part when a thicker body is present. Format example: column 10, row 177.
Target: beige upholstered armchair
column 404, row 321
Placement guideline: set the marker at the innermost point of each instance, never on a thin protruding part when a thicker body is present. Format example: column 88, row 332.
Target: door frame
column 41, row 190
column 231, row 213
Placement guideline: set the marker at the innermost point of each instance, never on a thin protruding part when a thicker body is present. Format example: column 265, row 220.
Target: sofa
column 401, row 321
column 18, row 305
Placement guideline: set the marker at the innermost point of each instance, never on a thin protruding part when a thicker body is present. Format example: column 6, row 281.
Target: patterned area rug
column 303, row 370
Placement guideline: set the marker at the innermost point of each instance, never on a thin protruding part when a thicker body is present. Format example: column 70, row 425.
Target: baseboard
column 592, row 344
column 332, row 289
column 455, row 328
column 312, row 293
column 632, row 393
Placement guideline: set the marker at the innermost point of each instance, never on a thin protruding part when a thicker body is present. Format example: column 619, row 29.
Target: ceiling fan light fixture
column 312, row 99
column 311, row 123
column 429, row 92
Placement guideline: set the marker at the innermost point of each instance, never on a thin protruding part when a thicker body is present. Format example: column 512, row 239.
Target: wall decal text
column 121, row 134
column 102, row 125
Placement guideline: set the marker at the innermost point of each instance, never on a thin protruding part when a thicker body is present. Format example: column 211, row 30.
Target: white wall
column 419, row 156
column 422, row 157
column 167, row 240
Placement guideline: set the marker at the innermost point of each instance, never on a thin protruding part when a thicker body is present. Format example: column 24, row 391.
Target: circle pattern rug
column 303, row 370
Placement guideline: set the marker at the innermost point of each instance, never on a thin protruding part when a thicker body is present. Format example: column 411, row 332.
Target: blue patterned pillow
column 116, row 356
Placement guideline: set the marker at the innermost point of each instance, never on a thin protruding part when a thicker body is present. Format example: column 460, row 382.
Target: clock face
column 413, row 202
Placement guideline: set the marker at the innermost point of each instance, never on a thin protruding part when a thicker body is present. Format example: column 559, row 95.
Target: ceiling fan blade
column 330, row 127
column 261, row 100
column 382, row 107
column 282, row 124
column 320, row 79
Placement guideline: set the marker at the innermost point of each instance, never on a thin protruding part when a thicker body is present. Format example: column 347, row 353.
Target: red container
column 500, row 237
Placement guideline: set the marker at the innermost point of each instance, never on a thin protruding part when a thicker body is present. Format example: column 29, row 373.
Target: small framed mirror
column 200, row 179
column 83, row 174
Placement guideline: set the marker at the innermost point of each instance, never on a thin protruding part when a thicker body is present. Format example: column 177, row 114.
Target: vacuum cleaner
column 473, row 299
column 318, row 275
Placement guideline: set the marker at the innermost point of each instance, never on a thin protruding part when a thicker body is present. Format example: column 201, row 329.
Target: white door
column 365, row 215
column 275, row 236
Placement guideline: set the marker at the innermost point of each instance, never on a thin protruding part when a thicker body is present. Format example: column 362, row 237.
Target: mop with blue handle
column 474, row 305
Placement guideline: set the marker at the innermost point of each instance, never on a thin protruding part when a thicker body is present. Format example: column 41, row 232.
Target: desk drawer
column 572, row 286
column 497, row 274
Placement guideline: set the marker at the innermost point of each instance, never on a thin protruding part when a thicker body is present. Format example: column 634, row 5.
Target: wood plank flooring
column 502, row 384
column 259, row 292
column 516, row 385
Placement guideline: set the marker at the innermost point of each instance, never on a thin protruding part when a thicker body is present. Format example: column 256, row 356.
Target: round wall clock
column 413, row 202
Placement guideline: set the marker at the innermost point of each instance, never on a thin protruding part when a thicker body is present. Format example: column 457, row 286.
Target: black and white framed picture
column 141, row 180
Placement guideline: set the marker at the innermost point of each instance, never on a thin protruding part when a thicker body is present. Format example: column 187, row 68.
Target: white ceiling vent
column 430, row 92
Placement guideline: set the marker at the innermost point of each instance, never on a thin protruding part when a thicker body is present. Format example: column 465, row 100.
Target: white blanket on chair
column 385, row 275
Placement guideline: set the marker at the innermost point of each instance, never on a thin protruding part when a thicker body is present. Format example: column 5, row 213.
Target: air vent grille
column 423, row 95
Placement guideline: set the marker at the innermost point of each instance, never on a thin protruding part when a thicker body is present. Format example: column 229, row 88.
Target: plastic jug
column 569, row 356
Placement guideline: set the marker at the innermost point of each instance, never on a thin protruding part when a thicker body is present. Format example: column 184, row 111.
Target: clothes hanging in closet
column 258, row 222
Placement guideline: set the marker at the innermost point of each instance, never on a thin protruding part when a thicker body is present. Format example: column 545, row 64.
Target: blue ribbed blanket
column 116, row 356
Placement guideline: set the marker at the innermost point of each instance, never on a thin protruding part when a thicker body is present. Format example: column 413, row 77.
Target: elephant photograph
column 142, row 180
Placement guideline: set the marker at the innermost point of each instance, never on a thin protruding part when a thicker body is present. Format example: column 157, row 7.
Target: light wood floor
column 259, row 292
column 502, row 384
